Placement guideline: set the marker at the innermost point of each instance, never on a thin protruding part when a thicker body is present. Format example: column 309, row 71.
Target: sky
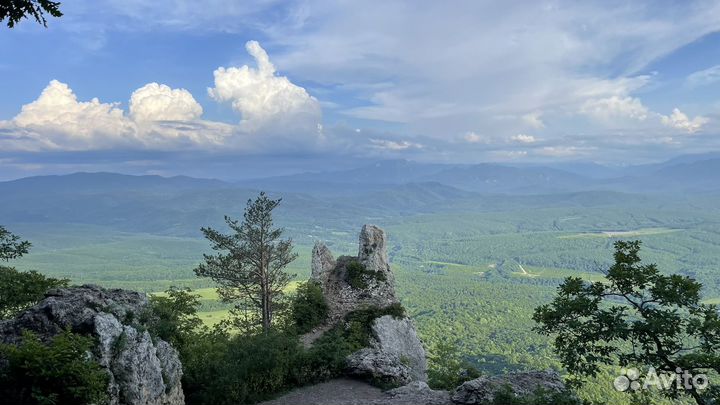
column 252, row 88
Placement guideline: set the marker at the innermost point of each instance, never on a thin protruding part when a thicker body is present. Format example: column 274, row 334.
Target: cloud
column 394, row 145
column 533, row 120
column 522, row 138
column 475, row 66
column 158, row 102
column 615, row 107
column 472, row 137
column 163, row 118
column 704, row 77
column 58, row 120
column 263, row 98
column 160, row 117
column 680, row 120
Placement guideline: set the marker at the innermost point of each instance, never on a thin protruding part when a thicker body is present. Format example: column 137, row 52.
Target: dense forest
column 473, row 272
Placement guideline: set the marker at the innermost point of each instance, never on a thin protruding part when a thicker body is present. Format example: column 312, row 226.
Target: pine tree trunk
column 265, row 302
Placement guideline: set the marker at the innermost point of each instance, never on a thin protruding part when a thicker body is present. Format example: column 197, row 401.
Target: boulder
column 398, row 336
column 418, row 392
column 395, row 357
column 382, row 368
column 483, row 390
column 141, row 372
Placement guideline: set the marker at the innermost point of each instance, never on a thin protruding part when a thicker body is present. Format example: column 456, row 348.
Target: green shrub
column 60, row 372
column 222, row 369
column 326, row 359
column 308, row 306
column 22, row 289
column 173, row 317
column 357, row 275
column 447, row 369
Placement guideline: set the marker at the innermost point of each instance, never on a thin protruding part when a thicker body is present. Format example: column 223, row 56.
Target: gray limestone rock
column 142, row 372
column 482, row 390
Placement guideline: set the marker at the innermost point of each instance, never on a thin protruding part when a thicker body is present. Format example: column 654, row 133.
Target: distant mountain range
column 694, row 173
column 180, row 205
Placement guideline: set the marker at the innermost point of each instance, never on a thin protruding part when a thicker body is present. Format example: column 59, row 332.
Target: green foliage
column 326, row 359
column 253, row 267
column 308, row 306
column 357, row 275
column 447, row 368
column 22, row 289
column 11, row 247
column 16, row 10
column 222, row 369
column 446, row 259
column 638, row 316
column 173, row 316
column 59, row 372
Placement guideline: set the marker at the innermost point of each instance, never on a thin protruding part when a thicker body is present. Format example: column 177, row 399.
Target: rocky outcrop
column 399, row 337
column 382, row 368
column 332, row 275
column 483, row 390
column 395, row 356
column 142, row 372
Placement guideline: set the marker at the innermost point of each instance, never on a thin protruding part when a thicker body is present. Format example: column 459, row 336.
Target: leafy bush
column 11, row 246
column 22, row 289
column 308, row 306
column 357, row 275
column 222, row 369
column 326, row 359
column 447, row 369
column 173, row 317
column 60, row 372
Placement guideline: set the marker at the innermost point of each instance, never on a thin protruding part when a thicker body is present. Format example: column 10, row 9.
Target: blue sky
column 239, row 89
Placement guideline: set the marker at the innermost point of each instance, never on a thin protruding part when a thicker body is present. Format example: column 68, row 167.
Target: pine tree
column 250, row 263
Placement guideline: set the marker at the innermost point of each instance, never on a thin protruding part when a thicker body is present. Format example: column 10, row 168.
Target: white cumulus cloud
column 57, row 119
column 262, row 97
column 611, row 108
column 522, row 138
column 472, row 137
column 680, row 120
column 158, row 102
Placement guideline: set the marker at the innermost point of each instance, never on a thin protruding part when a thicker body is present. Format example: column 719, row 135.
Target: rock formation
column 395, row 356
column 332, row 275
column 482, row 390
column 142, row 372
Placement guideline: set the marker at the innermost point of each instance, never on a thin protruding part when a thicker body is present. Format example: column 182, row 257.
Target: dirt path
column 344, row 391
column 309, row 338
column 334, row 392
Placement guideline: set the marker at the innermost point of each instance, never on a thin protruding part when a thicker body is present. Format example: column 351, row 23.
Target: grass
column 212, row 318
column 212, row 310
